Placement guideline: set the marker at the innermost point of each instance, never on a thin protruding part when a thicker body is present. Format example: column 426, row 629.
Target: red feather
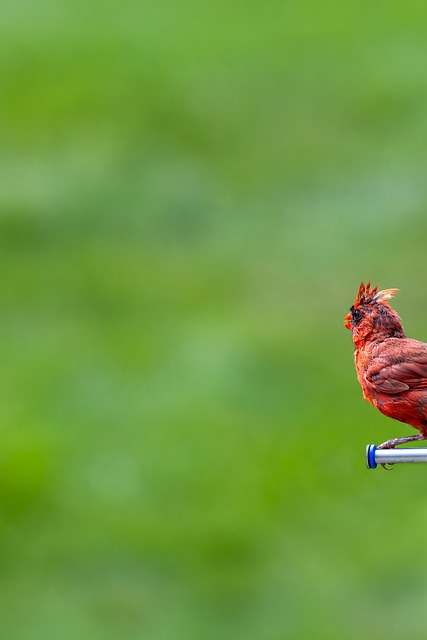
column 391, row 368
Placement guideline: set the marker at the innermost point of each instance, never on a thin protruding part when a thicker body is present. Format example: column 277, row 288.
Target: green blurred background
column 190, row 195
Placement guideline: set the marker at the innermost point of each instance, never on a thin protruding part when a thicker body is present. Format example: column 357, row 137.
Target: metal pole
column 375, row 456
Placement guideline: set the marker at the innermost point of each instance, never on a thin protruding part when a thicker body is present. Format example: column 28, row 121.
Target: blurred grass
column 190, row 196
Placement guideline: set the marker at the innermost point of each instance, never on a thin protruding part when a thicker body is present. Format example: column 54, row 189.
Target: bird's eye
column 356, row 315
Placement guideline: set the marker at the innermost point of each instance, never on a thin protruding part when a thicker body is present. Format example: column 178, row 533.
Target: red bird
column 391, row 368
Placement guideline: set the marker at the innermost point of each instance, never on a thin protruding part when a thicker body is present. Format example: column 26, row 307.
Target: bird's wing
column 400, row 376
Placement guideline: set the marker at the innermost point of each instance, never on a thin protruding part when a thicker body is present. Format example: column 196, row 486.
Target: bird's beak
column 347, row 321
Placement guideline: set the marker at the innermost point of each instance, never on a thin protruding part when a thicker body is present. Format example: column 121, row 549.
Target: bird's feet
column 390, row 444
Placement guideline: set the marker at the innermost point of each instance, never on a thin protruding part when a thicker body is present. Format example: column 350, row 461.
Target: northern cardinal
column 391, row 368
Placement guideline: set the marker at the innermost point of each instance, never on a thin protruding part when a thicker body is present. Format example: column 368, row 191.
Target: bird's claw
column 390, row 444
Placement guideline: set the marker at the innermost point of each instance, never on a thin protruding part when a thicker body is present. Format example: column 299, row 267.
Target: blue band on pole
column 370, row 456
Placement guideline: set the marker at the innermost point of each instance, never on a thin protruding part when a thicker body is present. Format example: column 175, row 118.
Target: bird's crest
column 366, row 295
